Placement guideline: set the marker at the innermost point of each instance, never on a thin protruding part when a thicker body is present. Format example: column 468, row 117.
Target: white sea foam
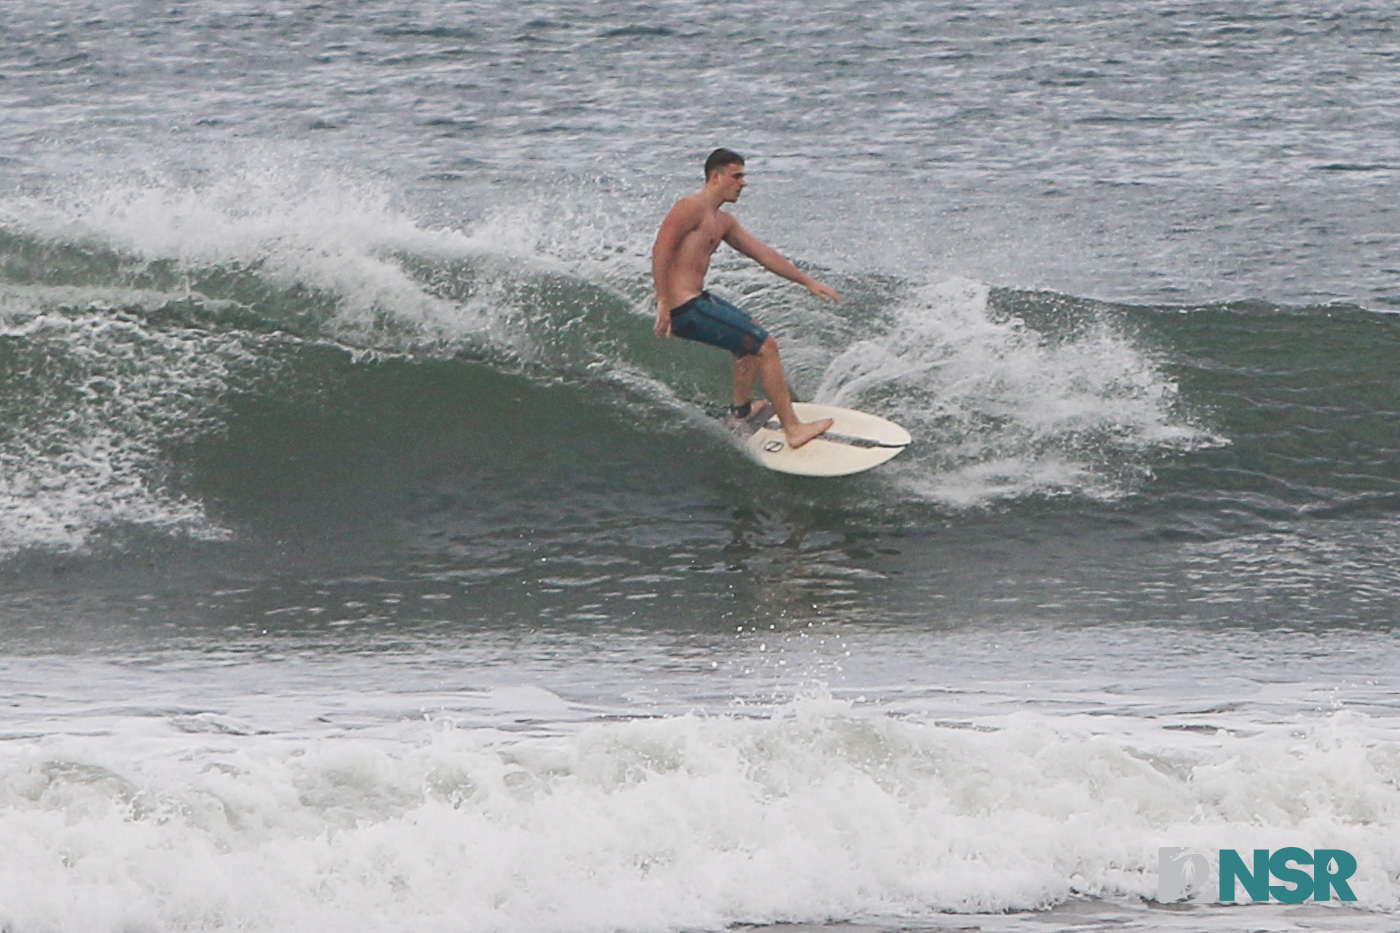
column 813, row 811
column 1002, row 410
column 297, row 226
column 95, row 397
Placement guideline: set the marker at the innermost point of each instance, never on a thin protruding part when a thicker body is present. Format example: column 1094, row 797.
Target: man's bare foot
column 805, row 431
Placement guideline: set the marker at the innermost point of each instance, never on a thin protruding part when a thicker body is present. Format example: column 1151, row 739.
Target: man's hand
column 662, row 328
column 824, row 292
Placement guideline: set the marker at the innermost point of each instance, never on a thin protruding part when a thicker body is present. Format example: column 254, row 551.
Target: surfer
column 688, row 238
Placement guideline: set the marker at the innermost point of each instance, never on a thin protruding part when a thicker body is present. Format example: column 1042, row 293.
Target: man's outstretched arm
column 770, row 259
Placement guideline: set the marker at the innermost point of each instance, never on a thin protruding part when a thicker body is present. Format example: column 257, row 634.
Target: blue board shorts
column 717, row 322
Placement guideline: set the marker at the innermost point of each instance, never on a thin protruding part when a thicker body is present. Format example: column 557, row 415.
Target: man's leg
column 745, row 369
column 715, row 321
column 774, row 381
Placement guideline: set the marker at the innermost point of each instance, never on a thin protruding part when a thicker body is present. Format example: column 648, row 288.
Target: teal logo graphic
column 1184, row 875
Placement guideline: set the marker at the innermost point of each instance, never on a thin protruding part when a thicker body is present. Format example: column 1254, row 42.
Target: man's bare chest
column 711, row 233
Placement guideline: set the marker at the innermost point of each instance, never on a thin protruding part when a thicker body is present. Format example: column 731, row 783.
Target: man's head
column 719, row 159
column 725, row 168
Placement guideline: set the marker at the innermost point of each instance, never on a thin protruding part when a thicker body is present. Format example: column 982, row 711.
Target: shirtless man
column 689, row 236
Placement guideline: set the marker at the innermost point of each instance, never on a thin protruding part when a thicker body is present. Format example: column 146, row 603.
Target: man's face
column 731, row 179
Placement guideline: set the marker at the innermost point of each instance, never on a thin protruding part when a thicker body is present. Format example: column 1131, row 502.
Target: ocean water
column 366, row 564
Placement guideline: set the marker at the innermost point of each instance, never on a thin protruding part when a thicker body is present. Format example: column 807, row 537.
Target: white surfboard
column 857, row 441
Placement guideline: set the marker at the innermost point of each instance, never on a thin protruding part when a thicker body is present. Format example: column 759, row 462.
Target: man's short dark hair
column 719, row 159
